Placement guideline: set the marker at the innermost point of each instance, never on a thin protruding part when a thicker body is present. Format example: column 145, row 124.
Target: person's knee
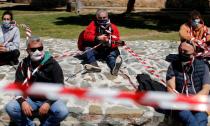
column 113, row 55
column 16, row 53
column 185, row 115
column 87, row 48
column 89, row 51
column 60, row 111
column 202, row 117
column 12, row 108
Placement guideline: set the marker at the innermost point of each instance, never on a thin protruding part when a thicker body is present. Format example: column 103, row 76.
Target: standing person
column 22, row 109
column 195, row 31
column 9, row 40
column 189, row 76
column 104, row 33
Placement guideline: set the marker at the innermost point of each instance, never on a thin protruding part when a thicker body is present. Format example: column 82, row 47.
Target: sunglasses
column 6, row 19
column 38, row 48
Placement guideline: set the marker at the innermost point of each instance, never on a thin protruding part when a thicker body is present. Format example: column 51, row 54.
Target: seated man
column 102, row 32
column 189, row 76
column 9, row 40
column 23, row 109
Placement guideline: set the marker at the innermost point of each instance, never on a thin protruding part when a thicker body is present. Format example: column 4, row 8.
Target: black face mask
column 103, row 22
column 183, row 57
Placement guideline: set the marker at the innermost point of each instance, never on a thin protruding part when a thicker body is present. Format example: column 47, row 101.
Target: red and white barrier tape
column 204, row 54
column 156, row 99
column 67, row 54
column 28, row 31
column 202, row 45
column 129, row 79
column 74, row 53
column 149, row 69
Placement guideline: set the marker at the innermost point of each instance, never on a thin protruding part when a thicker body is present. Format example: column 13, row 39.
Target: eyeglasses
column 38, row 48
column 6, row 19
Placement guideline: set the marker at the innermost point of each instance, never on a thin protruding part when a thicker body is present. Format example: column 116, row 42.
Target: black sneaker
column 117, row 65
column 93, row 67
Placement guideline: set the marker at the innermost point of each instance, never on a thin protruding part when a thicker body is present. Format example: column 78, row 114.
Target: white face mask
column 195, row 22
column 37, row 55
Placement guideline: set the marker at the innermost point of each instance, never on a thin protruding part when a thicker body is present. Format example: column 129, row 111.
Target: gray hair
column 31, row 39
column 99, row 11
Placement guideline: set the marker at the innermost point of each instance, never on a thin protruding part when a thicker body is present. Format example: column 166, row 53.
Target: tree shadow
column 82, row 20
column 200, row 5
column 18, row 7
column 164, row 20
column 160, row 21
column 28, row 8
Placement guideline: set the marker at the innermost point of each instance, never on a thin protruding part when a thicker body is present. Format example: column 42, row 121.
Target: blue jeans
column 191, row 118
column 57, row 113
column 109, row 55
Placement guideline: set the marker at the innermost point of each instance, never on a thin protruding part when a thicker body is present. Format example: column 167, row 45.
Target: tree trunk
column 68, row 5
column 130, row 6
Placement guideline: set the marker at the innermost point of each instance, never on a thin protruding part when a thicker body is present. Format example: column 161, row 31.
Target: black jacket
column 49, row 72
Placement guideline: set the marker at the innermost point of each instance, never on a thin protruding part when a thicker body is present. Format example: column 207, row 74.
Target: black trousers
column 10, row 56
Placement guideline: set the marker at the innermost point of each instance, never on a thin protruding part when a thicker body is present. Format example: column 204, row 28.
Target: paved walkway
column 93, row 112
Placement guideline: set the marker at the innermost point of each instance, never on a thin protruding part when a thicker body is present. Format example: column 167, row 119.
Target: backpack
column 147, row 84
column 80, row 41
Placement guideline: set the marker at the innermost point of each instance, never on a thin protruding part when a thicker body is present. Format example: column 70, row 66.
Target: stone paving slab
column 91, row 113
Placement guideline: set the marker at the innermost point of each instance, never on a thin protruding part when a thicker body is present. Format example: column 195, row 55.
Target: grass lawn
column 61, row 24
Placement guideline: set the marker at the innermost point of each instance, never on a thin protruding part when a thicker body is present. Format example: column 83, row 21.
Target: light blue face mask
column 195, row 22
column 6, row 24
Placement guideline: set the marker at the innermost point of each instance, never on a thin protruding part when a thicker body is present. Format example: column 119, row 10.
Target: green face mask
column 6, row 24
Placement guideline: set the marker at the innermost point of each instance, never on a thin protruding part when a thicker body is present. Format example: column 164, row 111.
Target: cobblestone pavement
column 101, row 113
